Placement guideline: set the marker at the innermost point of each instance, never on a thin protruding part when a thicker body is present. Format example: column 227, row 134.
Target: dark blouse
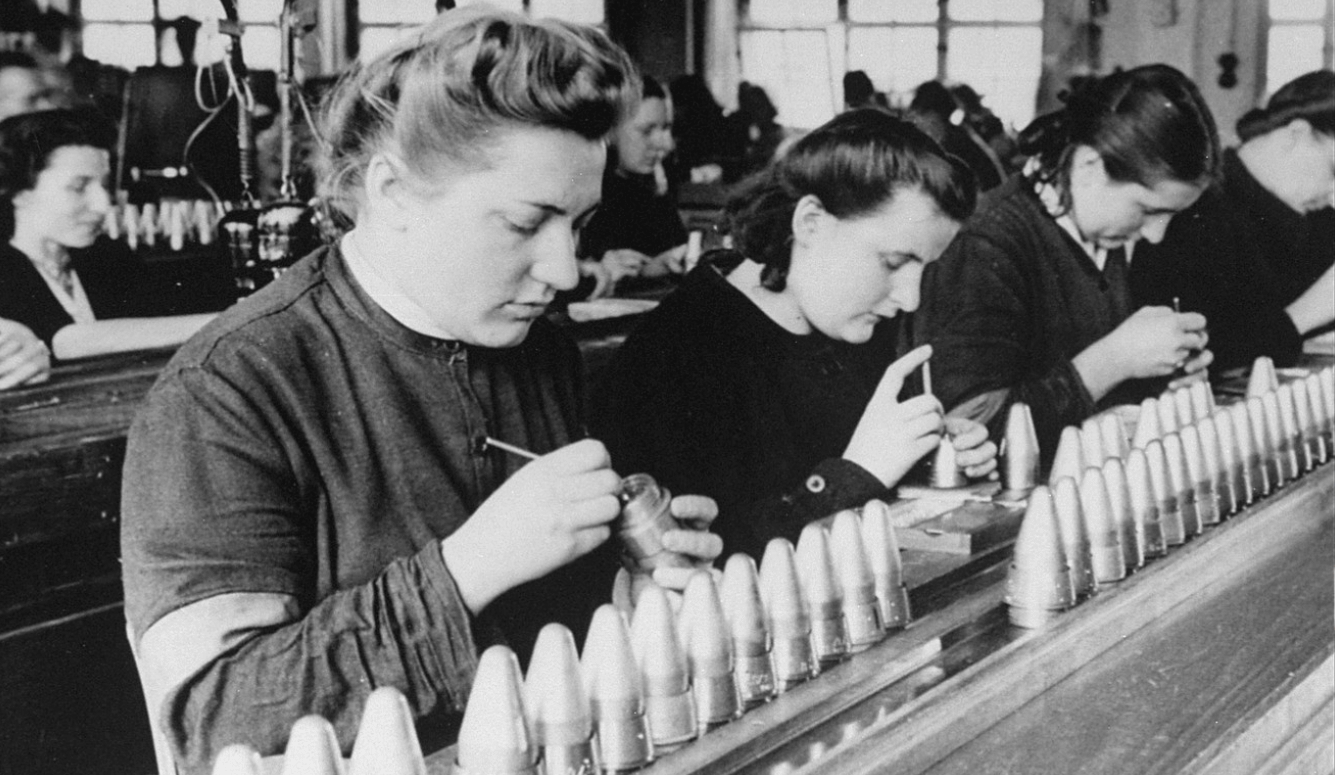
column 1239, row 256
column 711, row 396
column 1013, row 299
column 106, row 272
column 632, row 215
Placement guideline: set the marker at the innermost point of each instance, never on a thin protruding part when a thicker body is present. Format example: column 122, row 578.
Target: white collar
column 75, row 301
column 1051, row 199
column 382, row 292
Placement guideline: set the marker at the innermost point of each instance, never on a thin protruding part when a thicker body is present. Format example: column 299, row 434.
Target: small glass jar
column 645, row 517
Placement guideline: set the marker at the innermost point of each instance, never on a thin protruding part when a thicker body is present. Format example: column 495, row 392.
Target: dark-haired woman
column 79, row 297
column 766, row 381
column 1255, row 255
column 1031, row 301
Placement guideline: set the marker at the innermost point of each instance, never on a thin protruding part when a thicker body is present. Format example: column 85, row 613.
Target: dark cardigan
column 1010, row 303
column 711, row 396
column 1238, row 256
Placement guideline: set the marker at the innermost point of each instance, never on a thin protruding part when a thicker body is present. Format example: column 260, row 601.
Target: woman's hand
column 551, row 511
column 695, row 513
column 602, row 278
column 1153, row 342
column 975, row 452
column 24, row 359
column 624, row 262
column 670, row 261
column 892, row 436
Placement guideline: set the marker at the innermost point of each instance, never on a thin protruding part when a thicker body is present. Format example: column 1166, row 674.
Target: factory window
column 130, row 34
column 381, row 22
column 1298, row 40
column 799, row 50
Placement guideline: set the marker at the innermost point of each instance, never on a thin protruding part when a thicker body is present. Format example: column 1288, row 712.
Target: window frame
column 356, row 25
column 1327, row 25
column 156, row 24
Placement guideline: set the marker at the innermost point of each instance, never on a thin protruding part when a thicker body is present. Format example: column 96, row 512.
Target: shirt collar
column 1052, row 202
column 393, row 301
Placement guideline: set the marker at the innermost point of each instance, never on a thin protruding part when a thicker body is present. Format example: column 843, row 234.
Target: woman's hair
column 854, row 165
column 1148, row 124
column 1310, row 97
column 651, row 89
column 27, row 142
column 440, row 95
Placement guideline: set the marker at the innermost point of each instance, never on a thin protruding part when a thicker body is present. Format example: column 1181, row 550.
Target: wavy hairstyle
column 1148, row 124
column 439, row 96
column 854, row 164
column 27, row 142
column 1310, row 97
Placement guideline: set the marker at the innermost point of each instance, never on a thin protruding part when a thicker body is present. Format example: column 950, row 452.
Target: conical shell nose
column 1263, row 378
column 878, row 536
column 1168, row 413
column 709, row 652
column 1326, row 378
column 1253, row 471
column 1268, row 464
column 815, row 569
column 1201, row 481
column 946, row 473
column 788, row 617
column 1147, row 426
column 1074, row 536
column 1174, row 521
column 1276, row 447
column 1069, row 462
column 742, row 607
column 1105, row 538
column 386, row 741
column 1323, row 426
column 862, row 615
column 1186, row 414
column 1119, row 498
column 558, row 709
column 612, row 683
column 238, row 760
column 1230, row 461
column 1216, row 475
column 1091, row 442
column 494, row 736
column 1021, row 460
column 1038, row 584
column 1308, row 438
column 668, row 699
column 1114, row 436
column 1202, row 400
column 312, row 749
column 1145, row 502
column 1290, row 437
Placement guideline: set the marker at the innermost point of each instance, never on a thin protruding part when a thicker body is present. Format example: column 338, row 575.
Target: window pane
column 793, row 12
column 578, row 11
column 124, row 45
column 265, row 11
column 1303, row 10
column 260, row 45
column 171, row 9
column 1002, row 64
column 398, row 11
column 996, row 10
column 896, row 58
column 1293, row 49
column 117, row 10
column 892, row 11
column 508, row 5
column 793, row 69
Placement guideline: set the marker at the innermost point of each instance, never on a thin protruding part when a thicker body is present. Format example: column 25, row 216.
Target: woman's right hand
column 624, row 262
column 551, row 511
column 1152, row 342
column 24, row 359
column 892, row 436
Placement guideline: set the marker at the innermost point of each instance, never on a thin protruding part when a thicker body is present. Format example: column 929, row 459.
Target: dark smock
column 711, row 396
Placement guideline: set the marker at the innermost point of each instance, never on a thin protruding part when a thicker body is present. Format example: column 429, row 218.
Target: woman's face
column 847, row 274
column 69, row 201
column 1111, row 213
column 1307, row 181
column 646, row 138
column 484, row 251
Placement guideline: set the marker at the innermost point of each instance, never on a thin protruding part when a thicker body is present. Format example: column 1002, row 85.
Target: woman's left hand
column 975, row 453
column 24, row 359
column 694, row 513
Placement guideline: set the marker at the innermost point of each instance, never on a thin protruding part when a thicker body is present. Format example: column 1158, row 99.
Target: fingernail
column 1182, row 520
column 1119, row 499
column 788, row 617
column 1074, row 537
column 238, row 759
column 1147, row 425
column 709, row 652
column 1069, row 462
column 825, row 601
column 312, row 749
column 386, row 741
column 557, row 706
column 1021, row 458
column 742, row 606
column 1038, row 582
column 862, row 615
column 612, row 683
column 887, row 570
column 1145, row 501
column 1114, row 437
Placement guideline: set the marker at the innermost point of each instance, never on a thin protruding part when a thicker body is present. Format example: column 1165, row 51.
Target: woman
column 1031, row 301
column 637, row 231
column 765, row 381
column 311, row 504
column 81, row 299
column 1255, row 254
column 24, row 359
